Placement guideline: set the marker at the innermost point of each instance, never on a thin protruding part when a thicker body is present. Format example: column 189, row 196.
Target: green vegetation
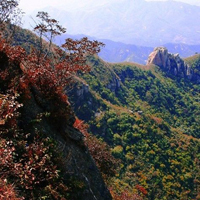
column 176, row 100
column 147, row 120
column 151, row 122
column 194, row 62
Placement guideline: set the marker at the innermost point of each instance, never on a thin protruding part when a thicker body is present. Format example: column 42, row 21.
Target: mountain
column 114, row 51
column 147, row 115
column 150, row 118
column 183, row 50
column 140, row 27
column 134, row 22
column 121, row 52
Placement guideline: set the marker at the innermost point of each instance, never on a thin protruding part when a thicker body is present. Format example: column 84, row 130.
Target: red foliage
column 7, row 191
column 14, row 53
column 51, row 75
column 141, row 189
column 30, row 164
column 34, row 171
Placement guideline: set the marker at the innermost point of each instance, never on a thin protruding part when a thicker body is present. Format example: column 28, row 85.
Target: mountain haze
column 121, row 52
column 134, row 22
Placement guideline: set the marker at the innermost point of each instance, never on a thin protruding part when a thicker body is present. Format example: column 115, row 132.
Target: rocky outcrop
column 114, row 84
column 172, row 63
column 52, row 117
column 82, row 90
column 83, row 101
column 78, row 163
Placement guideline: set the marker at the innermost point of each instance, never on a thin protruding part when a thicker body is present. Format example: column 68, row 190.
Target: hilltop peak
column 172, row 63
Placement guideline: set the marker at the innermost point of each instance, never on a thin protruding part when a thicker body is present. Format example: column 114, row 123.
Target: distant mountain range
column 120, row 52
column 133, row 22
column 131, row 29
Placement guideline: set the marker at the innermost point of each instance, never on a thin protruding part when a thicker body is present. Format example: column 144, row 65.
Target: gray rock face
column 114, row 85
column 172, row 63
column 84, row 89
column 78, row 163
column 159, row 57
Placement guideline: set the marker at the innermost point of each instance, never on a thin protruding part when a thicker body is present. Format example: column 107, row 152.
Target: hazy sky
column 37, row 4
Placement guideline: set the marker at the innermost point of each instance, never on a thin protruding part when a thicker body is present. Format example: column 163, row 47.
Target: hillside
column 44, row 152
column 151, row 121
column 127, row 84
column 146, row 115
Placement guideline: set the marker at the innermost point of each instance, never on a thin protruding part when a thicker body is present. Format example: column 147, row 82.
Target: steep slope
column 41, row 153
column 151, row 122
column 194, row 63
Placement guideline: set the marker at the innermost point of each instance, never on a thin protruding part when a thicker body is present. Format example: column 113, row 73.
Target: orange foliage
column 81, row 126
column 157, row 119
column 125, row 195
column 141, row 189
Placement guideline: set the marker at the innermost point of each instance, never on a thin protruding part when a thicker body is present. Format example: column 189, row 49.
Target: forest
column 150, row 121
column 75, row 127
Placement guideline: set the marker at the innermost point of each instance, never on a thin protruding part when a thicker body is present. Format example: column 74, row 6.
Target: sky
column 30, row 5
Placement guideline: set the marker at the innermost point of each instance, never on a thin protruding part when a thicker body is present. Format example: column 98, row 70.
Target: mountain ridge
column 120, row 52
column 143, row 23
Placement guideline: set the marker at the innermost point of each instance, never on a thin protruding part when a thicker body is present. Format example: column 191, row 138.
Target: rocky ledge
column 173, row 64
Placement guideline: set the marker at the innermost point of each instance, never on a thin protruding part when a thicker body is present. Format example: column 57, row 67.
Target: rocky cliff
column 38, row 114
column 78, row 163
column 173, row 64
